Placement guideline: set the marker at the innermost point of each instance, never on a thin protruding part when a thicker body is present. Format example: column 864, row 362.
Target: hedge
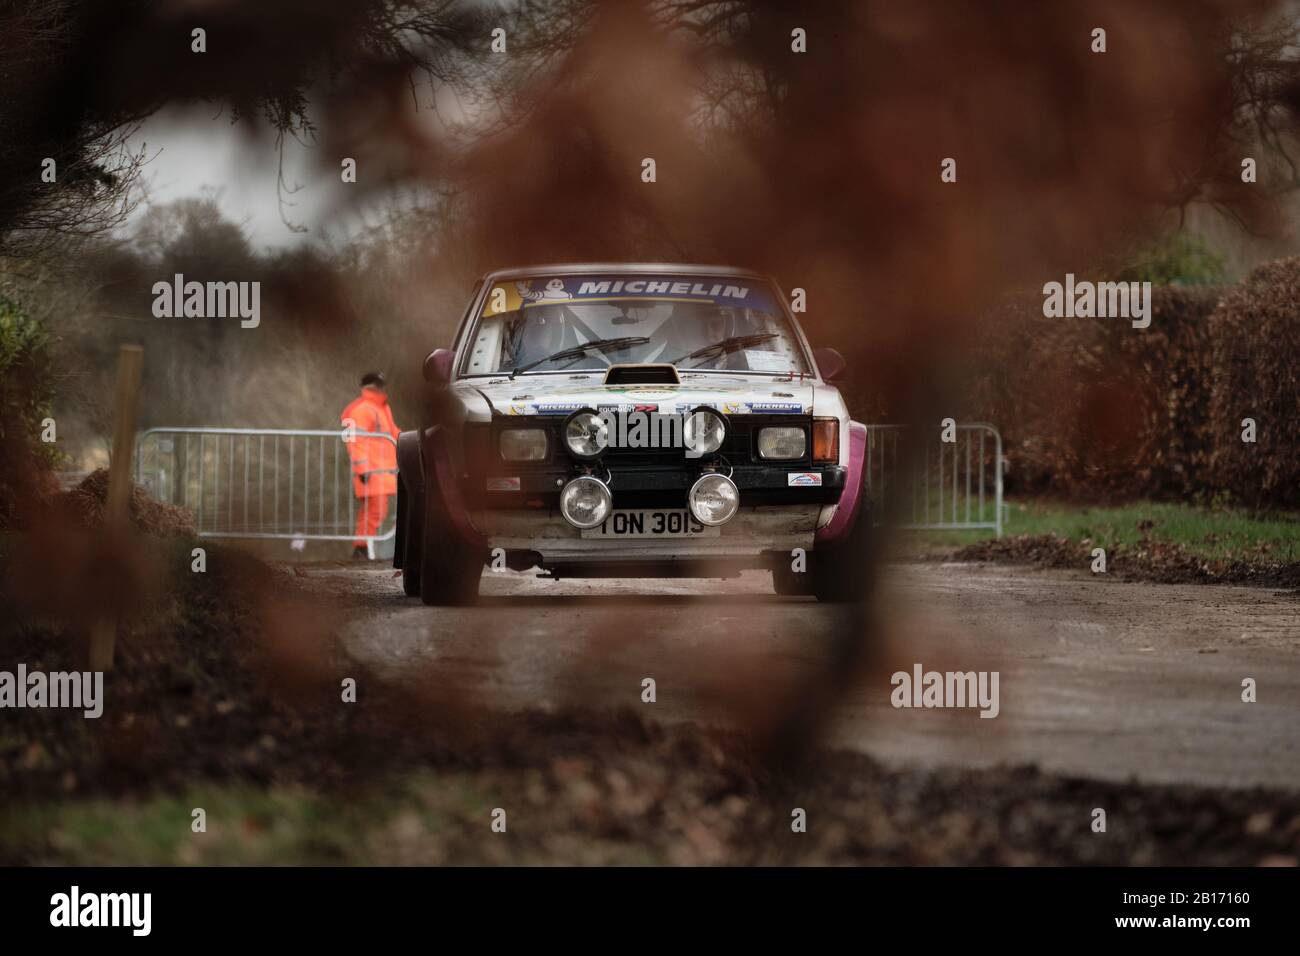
column 1093, row 407
column 26, row 394
column 1256, row 375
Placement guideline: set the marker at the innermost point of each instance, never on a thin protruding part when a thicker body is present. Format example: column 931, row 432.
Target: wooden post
column 130, row 361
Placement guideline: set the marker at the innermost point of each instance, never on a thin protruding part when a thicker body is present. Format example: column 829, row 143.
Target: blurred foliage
column 1255, row 336
column 26, row 382
column 80, row 76
column 1095, row 409
column 381, row 297
column 1177, row 259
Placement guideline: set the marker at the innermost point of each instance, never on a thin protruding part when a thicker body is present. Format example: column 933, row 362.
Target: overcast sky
column 193, row 150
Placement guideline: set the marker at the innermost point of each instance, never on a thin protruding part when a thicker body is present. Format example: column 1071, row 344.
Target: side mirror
column 437, row 367
column 830, row 363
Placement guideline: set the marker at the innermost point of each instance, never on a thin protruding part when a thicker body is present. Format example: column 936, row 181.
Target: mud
column 1160, row 562
column 1121, row 696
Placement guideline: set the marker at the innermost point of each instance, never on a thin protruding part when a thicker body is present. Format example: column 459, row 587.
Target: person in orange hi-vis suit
column 374, row 460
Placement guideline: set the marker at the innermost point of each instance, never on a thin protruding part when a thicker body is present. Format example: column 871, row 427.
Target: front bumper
column 643, row 487
column 745, row 539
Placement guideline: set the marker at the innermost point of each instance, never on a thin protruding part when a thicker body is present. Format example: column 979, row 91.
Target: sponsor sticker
column 506, row 484
column 803, row 479
column 740, row 291
column 776, row 408
column 763, row 361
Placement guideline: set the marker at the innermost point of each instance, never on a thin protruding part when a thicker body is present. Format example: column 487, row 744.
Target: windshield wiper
column 603, row 345
column 728, row 345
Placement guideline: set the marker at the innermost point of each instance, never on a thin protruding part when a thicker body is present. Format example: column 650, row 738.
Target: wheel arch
column 849, row 508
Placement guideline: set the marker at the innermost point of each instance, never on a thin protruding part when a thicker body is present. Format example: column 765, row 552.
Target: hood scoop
column 646, row 373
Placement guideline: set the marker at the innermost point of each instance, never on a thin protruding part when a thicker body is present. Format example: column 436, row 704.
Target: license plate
column 639, row 523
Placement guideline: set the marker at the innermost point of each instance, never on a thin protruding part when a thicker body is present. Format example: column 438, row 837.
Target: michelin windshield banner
column 719, row 290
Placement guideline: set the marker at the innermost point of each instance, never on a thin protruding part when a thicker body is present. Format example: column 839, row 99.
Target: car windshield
column 589, row 322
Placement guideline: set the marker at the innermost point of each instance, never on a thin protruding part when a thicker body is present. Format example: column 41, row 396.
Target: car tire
column 410, row 534
column 788, row 583
column 449, row 576
column 842, row 573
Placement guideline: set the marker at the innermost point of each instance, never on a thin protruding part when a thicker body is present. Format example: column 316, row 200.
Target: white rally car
column 632, row 420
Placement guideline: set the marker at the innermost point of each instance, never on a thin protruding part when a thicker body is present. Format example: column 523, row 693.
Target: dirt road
column 1098, row 678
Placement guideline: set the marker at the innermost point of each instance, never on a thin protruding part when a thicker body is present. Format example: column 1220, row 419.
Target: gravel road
column 1098, row 679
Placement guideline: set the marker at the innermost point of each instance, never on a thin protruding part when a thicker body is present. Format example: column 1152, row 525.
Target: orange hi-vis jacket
column 376, row 458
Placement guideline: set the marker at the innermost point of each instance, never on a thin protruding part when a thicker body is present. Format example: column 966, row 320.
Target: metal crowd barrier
column 930, row 484
column 297, row 484
column 258, row 482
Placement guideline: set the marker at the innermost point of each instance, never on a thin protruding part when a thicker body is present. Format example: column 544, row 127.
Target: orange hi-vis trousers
column 371, row 512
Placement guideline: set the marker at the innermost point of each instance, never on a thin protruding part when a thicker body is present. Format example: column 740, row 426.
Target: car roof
column 635, row 268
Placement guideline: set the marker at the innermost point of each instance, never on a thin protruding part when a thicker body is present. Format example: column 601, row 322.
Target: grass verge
column 1214, row 534
column 1148, row 541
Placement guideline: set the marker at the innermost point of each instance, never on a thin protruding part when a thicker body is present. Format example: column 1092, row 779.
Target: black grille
column 740, row 447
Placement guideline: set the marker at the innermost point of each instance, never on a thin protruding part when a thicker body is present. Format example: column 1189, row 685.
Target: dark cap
column 373, row 378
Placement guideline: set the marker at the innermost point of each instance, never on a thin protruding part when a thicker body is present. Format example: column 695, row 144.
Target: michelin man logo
column 554, row 290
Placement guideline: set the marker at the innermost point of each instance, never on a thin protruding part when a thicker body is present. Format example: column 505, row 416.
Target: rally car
column 632, row 420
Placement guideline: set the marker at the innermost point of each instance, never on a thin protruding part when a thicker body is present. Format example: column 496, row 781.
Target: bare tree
column 78, row 75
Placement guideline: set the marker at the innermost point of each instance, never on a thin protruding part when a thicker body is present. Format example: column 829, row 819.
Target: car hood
column 731, row 395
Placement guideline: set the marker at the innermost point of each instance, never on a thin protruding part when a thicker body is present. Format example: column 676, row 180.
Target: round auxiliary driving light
column 585, row 502
column 703, row 431
column 714, row 499
column 586, row 435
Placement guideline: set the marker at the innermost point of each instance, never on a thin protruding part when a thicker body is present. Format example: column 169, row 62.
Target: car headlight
column 586, row 435
column 585, row 502
column 782, row 443
column 714, row 499
column 522, row 444
column 704, row 431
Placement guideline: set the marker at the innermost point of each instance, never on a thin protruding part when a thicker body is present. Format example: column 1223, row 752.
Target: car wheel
column 449, row 576
column 790, row 583
column 410, row 533
column 842, row 573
